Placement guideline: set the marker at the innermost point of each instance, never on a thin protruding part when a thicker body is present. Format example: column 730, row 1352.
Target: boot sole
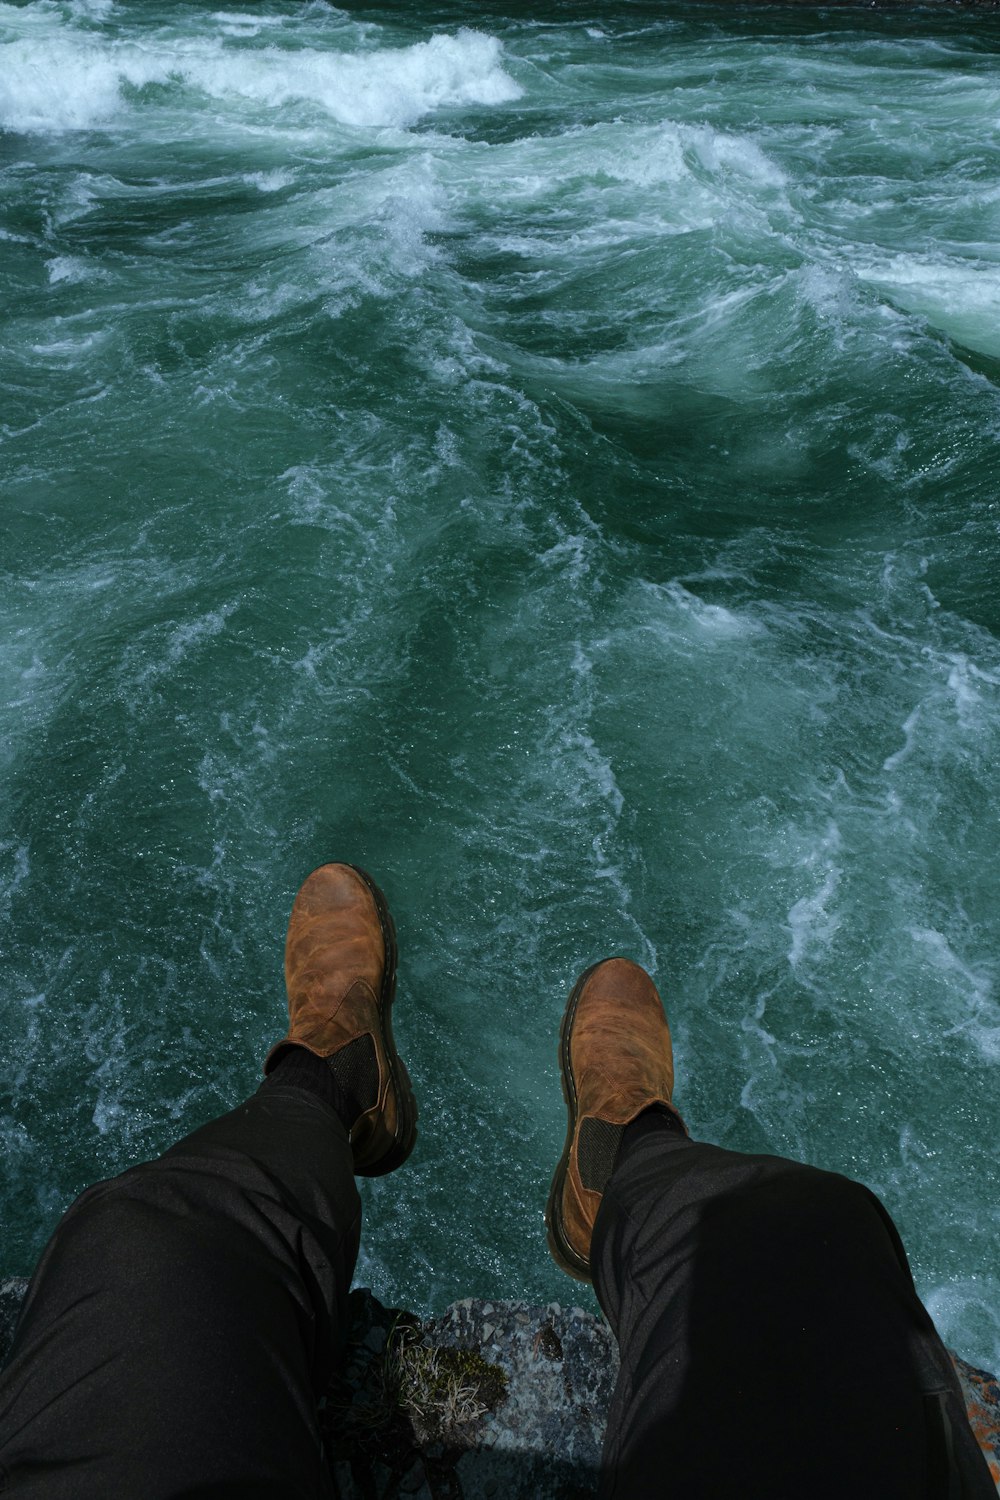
column 406, row 1104
column 565, row 1257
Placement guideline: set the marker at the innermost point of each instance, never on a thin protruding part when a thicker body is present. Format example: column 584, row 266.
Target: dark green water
column 554, row 465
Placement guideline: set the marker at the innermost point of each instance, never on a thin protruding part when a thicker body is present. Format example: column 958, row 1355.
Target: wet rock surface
column 536, row 1396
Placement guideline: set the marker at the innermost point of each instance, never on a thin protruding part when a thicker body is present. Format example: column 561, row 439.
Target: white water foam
column 813, row 920
column 92, row 10
column 270, row 182
column 65, row 80
column 73, row 269
column 969, row 988
column 385, row 88
column 960, row 297
column 713, row 621
column 180, row 639
column 691, row 176
column 961, row 695
column 239, row 24
column 15, row 866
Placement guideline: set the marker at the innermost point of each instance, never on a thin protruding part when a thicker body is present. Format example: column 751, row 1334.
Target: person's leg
column 768, row 1328
column 772, row 1342
column 186, row 1315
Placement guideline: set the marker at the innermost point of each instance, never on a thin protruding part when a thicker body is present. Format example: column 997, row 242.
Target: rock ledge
column 492, row 1399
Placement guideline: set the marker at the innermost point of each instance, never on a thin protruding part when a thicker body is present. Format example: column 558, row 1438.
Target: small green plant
column 412, row 1403
column 444, row 1392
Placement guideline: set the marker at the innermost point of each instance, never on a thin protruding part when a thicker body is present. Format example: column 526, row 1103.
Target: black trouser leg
column 773, row 1346
column 186, row 1315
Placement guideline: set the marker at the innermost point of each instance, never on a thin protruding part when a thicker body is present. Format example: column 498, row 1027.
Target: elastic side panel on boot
column 597, row 1151
column 355, row 1067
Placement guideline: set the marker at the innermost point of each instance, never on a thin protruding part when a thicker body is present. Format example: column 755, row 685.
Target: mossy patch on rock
column 406, row 1407
column 443, row 1392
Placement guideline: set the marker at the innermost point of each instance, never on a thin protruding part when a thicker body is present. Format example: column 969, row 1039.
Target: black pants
column 186, row 1315
column 773, row 1345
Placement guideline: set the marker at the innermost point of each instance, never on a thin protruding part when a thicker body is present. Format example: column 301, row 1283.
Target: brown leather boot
column 340, row 972
column 616, row 1059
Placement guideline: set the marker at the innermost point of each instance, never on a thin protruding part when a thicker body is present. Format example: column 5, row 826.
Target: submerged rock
column 491, row 1399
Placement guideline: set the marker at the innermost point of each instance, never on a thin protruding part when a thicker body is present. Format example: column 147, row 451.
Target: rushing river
column 554, row 464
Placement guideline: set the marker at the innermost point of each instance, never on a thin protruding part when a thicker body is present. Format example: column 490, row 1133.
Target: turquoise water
column 554, row 465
